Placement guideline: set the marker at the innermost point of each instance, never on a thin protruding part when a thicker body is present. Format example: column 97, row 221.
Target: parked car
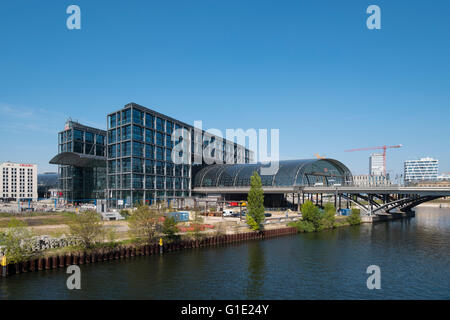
column 228, row 213
column 267, row 214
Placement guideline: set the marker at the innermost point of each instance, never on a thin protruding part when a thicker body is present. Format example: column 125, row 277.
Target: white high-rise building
column 376, row 164
column 18, row 181
column 422, row 169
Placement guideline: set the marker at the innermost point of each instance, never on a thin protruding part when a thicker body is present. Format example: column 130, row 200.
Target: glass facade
column 140, row 165
column 289, row 173
column 82, row 180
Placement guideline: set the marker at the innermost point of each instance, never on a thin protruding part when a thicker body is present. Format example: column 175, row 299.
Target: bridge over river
column 371, row 200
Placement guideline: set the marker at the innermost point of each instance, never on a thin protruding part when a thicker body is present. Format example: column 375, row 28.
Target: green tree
column 169, row 228
column 15, row 241
column 355, row 217
column 145, row 223
column 255, row 203
column 328, row 218
column 312, row 214
column 87, row 227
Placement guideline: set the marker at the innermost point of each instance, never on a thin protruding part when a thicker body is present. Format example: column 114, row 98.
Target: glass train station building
column 82, row 163
column 131, row 162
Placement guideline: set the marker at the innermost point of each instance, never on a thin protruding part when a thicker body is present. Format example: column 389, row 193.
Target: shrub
column 17, row 248
column 312, row 214
column 169, row 228
column 144, row 223
column 328, row 220
column 304, row 226
column 354, row 218
column 87, row 227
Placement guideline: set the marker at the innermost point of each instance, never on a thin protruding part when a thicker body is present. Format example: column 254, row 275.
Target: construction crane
column 378, row 148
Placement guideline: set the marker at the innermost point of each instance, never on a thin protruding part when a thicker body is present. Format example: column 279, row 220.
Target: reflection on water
column 413, row 255
column 256, row 271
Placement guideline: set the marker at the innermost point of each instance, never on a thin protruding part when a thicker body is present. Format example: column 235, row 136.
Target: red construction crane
column 377, row 148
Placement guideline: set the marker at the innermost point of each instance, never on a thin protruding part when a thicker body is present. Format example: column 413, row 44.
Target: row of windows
column 140, row 150
column 140, row 134
column 138, row 181
column 79, row 135
column 21, row 195
column 147, row 166
column 81, row 147
column 141, row 118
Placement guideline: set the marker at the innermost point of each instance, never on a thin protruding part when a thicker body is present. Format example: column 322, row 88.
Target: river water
column 413, row 256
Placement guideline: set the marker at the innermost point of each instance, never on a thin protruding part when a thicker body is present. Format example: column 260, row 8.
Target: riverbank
column 61, row 260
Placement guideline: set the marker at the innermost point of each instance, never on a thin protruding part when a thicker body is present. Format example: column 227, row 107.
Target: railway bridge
column 371, row 200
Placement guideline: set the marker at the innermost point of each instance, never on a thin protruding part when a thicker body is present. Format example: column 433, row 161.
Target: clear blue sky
column 310, row 68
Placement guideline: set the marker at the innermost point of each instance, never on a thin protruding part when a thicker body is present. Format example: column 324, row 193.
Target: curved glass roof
column 78, row 160
column 290, row 173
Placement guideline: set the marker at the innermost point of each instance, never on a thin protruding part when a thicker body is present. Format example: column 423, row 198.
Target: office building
column 140, row 168
column 18, row 181
column 82, row 163
column 422, row 169
column 376, row 164
column 367, row 180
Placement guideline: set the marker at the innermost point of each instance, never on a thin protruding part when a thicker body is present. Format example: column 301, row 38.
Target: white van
column 228, row 213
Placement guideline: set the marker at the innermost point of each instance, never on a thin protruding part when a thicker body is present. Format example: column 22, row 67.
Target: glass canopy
column 307, row 172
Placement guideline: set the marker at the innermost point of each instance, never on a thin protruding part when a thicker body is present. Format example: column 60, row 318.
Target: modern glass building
column 232, row 182
column 82, row 162
column 140, row 167
column 290, row 173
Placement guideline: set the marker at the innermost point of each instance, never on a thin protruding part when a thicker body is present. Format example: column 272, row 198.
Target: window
column 126, row 133
column 100, row 139
column 160, row 124
column 137, row 133
column 159, row 139
column 100, row 151
column 149, row 121
column 77, row 135
column 126, row 148
column 138, row 117
column 138, row 149
column 169, row 143
column 126, row 165
column 112, row 121
column 149, row 151
column 159, row 153
column 126, row 181
column 138, row 181
column 149, row 182
column 159, row 182
column 89, row 137
column 169, row 127
column 149, row 166
column 168, row 154
column 78, row 147
column 169, row 169
column 112, row 151
column 126, row 116
column 149, row 136
column 112, row 182
column 112, row 136
column 159, row 167
column 138, row 165
column 112, row 166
